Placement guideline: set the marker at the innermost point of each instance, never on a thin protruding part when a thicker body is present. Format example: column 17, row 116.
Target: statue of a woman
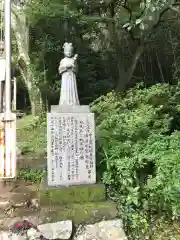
column 68, row 69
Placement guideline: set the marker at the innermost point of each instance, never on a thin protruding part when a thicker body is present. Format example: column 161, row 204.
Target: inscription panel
column 71, row 148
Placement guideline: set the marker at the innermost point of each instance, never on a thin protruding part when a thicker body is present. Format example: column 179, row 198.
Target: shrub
column 139, row 154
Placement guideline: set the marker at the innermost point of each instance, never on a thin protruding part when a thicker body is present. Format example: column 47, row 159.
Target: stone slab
column 104, row 230
column 74, row 194
column 70, row 109
column 79, row 213
column 71, row 148
column 58, row 230
column 7, row 235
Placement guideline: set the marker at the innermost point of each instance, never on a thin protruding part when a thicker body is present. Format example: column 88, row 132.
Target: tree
column 113, row 22
column 21, row 31
column 139, row 18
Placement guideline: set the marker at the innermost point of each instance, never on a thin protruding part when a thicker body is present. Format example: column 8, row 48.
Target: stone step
column 6, row 222
column 15, row 200
column 74, row 194
column 17, row 195
column 17, row 186
column 79, row 213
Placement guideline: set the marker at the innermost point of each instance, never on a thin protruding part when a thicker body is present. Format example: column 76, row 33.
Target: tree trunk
column 125, row 77
column 35, row 100
column 21, row 31
column 124, row 74
column 33, row 91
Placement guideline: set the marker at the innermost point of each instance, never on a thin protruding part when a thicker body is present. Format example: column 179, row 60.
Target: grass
column 25, row 122
column 31, row 140
column 31, row 135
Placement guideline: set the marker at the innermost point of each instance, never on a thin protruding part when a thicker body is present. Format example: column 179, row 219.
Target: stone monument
column 70, row 131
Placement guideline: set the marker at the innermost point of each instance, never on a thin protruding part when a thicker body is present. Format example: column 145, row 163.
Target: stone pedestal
column 71, row 180
column 82, row 204
column 71, row 146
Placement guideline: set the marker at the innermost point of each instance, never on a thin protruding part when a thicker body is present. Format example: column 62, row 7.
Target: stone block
column 79, row 213
column 104, row 230
column 70, row 109
column 71, row 149
column 58, row 230
column 73, row 194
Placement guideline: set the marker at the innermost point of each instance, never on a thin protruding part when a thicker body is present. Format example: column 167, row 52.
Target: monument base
column 82, row 204
column 61, row 195
column 70, row 109
column 80, row 213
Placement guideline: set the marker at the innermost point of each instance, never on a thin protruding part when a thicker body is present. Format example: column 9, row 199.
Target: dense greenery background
column 139, row 139
column 129, row 55
column 117, row 47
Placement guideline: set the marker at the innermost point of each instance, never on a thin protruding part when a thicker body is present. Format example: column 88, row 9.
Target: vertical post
column 7, row 21
column 14, row 94
column 8, row 128
column 1, row 97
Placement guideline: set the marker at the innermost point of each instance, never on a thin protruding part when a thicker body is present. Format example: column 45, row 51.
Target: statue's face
column 68, row 51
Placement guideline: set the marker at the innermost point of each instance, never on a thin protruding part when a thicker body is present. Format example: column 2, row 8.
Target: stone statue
column 68, row 70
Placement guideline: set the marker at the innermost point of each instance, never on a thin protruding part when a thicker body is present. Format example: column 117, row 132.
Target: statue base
column 70, row 109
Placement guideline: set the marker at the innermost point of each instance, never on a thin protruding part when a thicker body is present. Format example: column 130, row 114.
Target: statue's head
column 68, row 49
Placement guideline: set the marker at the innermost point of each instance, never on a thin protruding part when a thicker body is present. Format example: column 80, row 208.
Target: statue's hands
column 75, row 57
column 69, row 65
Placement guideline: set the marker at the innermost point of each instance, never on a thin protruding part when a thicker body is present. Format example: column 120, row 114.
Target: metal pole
column 7, row 18
column 8, row 159
column 14, row 95
column 1, row 98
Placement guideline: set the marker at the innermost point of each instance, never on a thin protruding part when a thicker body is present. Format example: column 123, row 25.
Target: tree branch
column 174, row 9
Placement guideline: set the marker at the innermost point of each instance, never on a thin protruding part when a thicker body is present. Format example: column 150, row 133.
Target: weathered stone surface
column 105, row 230
column 14, row 199
column 4, row 235
column 71, row 149
column 33, row 234
column 59, row 230
column 68, row 69
column 79, row 213
column 10, row 236
column 74, row 194
column 14, row 236
column 7, row 222
column 34, row 203
column 70, row 108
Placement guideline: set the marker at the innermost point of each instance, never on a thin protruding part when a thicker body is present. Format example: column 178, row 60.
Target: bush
column 139, row 154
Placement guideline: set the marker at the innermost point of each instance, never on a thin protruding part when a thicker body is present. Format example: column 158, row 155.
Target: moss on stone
column 74, row 194
column 80, row 213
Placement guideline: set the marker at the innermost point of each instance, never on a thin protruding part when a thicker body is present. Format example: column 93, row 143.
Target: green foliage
column 100, row 33
column 31, row 176
column 31, row 134
column 138, row 151
column 52, row 23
